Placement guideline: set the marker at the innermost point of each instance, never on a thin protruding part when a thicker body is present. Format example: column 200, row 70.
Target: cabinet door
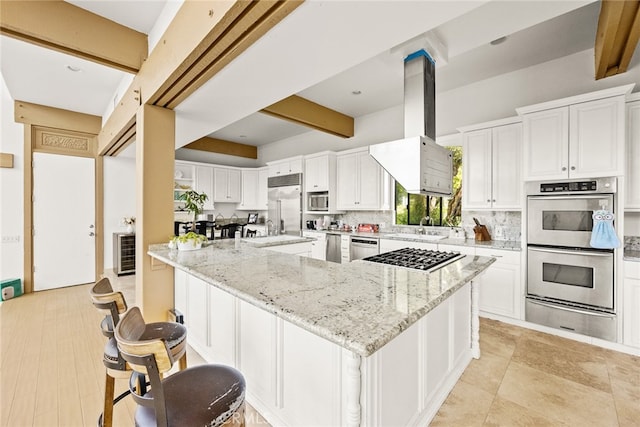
column 220, row 184
column 476, row 171
column 596, row 138
column 317, row 174
column 631, row 312
column 546, row 142
column 249, row 189
column 198, row 319
column 234, row 183
column 346, row 177
column 500, row 291
column 262, row 199
column 294, row 166
column 204, row 184
column 506, row 180
column 369, row 176
column 632, row 177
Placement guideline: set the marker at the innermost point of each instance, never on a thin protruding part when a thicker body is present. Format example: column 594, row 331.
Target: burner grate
column 419, row 259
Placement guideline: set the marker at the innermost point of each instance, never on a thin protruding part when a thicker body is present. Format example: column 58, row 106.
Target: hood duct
column 417, row 162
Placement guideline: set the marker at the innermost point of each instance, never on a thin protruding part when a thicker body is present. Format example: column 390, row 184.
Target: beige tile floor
column 51, row 372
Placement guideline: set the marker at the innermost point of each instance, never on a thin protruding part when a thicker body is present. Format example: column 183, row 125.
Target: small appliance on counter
column 311, row 224
column 368, row 228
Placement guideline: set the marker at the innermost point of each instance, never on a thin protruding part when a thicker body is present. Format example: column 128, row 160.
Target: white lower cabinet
column 318, row 246
column 388, row 245
column 345, row 249
column 500, row 285
column 631, row 316
column 295, row 377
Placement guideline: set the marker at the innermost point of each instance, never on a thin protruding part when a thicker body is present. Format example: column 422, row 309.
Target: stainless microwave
column 318, row 201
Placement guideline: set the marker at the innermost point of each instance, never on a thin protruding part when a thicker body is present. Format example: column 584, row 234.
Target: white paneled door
column 63, row 221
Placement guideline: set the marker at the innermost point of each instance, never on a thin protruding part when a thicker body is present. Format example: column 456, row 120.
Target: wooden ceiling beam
column 307, row 113
column 617, row 36
column 221, row 146
column 69, row 29
column 202, row 38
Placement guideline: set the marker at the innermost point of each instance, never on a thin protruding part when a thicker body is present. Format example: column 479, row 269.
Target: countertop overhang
column 360, row 306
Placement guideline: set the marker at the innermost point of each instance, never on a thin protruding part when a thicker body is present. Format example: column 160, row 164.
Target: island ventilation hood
column 417, row 162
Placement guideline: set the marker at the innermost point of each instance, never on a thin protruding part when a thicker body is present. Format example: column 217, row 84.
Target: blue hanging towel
column 603, row 236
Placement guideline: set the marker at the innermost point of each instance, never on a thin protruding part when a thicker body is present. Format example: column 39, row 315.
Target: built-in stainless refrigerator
column 285, row 204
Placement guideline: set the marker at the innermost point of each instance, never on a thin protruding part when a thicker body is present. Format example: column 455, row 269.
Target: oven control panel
column 559, row 187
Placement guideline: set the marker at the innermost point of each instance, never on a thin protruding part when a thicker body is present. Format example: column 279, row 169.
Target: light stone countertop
column 511, row 245
column 360, row 306
column 631, row 255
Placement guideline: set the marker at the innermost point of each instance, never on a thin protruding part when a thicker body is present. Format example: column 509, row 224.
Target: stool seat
column 203, row 395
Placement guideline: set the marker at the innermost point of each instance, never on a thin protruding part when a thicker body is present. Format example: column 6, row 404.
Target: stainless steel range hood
column 417, row 162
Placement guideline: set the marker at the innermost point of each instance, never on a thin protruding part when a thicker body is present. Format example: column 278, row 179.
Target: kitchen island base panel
column 297, row 378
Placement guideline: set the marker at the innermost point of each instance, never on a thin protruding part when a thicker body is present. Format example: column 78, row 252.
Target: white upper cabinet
column 227, row 187
column 316, row 173
column 491, row 167
column 204, row 184
column 254, row 189
column 361, row 181
column 578, row 137
column 632, row 177
column 285, row 166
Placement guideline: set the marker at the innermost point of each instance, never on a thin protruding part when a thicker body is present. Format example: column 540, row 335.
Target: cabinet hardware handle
column 488, row 200
column 564, row 168
column 494, row 200
column 573, row 168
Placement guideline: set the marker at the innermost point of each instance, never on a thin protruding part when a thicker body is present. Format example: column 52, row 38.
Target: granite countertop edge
column 631, row 255
column 360, row 337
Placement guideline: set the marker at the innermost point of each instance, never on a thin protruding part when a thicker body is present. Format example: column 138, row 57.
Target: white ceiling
column 537, row 32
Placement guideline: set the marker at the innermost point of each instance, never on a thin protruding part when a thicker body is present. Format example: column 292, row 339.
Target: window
column 442, row 211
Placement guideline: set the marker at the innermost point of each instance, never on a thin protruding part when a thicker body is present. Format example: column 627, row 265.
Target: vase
column 189, row 245
column 130, row 228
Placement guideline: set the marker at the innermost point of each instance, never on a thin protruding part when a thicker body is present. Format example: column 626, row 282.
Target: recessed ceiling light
column 356, row 92
column 74, row 69
column 498, row 40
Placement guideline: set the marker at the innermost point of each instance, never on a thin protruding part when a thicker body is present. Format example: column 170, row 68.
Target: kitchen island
column 330, row 344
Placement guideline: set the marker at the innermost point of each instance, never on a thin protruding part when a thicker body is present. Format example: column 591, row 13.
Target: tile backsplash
column 632, row 243
column 502, row 225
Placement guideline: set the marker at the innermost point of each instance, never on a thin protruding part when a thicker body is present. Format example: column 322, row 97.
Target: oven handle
column 572, row 309
column 574, row 196
column 564, row 252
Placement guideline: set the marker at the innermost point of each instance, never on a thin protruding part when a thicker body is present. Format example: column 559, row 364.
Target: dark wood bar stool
column 113, row 305
column 210, row 395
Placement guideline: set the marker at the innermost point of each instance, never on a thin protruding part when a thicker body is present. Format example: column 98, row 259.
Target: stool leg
column 109, row 389
column 183, row 361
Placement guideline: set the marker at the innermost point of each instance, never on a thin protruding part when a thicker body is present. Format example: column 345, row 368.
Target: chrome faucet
column 268, row 228
column 421, row 229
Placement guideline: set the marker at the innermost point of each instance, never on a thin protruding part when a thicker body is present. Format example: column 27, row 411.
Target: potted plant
column 187, row 242
column 194, row 203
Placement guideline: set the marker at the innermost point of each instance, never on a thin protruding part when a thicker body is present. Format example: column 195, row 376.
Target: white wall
column 119, row 199
column 632, row 224
column 11, row 190
column 489, row 99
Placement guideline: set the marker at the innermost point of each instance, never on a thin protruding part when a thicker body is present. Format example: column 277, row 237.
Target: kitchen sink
column 414, row 236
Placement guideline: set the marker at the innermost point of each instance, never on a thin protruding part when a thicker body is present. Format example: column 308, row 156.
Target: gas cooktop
column 419, row 259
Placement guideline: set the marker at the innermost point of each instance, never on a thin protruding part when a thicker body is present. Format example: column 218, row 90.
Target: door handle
column 92, row 234
column 91, row 226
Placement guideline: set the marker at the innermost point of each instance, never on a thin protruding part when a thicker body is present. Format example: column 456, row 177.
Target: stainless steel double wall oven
column 570, row 285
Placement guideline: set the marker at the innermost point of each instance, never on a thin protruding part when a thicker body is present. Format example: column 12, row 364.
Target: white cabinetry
column 631, row 321
column 319, row 245
column 204, row 184
column 285, row 166
column 254, row 189
column 632, row 178
column 362, row 183
column 226, row 185
column 317, row 171
column 387, row 245
column 578, row 137
column 500, row 289
column 491, row 167
column 345, row 249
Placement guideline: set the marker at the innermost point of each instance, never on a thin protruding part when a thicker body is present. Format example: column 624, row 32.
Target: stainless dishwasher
column 333, row 248
column 362, row 247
